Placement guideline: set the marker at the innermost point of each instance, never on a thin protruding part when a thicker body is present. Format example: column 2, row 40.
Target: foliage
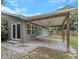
column 2, row 2
column 66, row 7
column 74, row 22
column 4, row 29
column 56, row 29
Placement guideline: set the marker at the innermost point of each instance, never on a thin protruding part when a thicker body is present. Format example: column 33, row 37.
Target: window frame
column 29, row 28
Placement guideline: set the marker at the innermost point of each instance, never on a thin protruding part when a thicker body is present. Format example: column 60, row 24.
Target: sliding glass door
column 15, row 31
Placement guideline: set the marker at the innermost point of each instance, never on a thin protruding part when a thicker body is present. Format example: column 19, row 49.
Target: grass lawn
column 47, row 53
column 55, row 37
column 74, row 42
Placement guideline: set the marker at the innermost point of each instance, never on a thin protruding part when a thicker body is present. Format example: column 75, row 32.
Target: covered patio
column 59, row 19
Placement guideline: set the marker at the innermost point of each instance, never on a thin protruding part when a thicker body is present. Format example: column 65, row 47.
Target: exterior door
column 15, row 31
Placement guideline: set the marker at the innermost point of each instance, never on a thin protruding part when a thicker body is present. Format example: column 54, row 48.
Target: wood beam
column 65, row 21
column 63, row 33
column 36, row 24
column 67, row 33
column 54, row 26
column 47, row 17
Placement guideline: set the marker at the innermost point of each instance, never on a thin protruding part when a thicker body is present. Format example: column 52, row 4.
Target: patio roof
column 51, row 19
column 46, row 20
column 61, row 18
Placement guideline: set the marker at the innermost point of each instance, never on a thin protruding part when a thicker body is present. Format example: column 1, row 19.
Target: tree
column 74, row 22
column 2, row 2
column 4, row 29
column 66, row 7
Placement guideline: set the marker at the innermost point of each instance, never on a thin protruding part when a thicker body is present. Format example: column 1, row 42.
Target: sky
column 35, row 7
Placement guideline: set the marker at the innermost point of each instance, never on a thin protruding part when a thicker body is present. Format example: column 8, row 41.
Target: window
column 28, row 28
column 36, row 30
column 18, row 31
column 28, row 31
column 33, row 29
column 39, row 30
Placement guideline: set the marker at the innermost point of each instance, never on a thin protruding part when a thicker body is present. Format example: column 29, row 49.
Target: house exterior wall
column 15, row 20
column 24, row 36
column 29, row 37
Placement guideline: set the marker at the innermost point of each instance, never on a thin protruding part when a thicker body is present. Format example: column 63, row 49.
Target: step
column 13, row 41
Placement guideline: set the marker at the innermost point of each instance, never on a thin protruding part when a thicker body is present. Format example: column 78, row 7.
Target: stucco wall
column 13, row 20
column 24, row 36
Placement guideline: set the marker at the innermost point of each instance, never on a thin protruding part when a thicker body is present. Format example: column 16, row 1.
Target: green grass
column 47, row 53
column 55, row 36
column 74, row 42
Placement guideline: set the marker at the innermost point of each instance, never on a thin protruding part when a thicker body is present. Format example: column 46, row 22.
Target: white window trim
column 30, row 28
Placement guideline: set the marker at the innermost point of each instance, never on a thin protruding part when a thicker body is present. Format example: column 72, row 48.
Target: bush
column 4, row 29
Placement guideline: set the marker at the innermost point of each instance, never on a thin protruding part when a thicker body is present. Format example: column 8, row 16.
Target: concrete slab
column 25, row 48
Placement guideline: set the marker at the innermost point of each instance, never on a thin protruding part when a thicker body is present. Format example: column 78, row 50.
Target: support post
column 67, row 34
column 23, row 32
column 63, row 33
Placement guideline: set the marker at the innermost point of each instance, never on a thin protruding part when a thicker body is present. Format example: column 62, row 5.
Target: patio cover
column 60, row 18
column 52, row 19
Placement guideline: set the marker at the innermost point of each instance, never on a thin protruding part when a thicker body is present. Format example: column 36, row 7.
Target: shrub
column 4, row 29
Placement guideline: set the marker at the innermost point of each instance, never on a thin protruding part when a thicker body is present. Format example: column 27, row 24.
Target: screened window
column 39, row 30
column 36, row 30
column 33, row 29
